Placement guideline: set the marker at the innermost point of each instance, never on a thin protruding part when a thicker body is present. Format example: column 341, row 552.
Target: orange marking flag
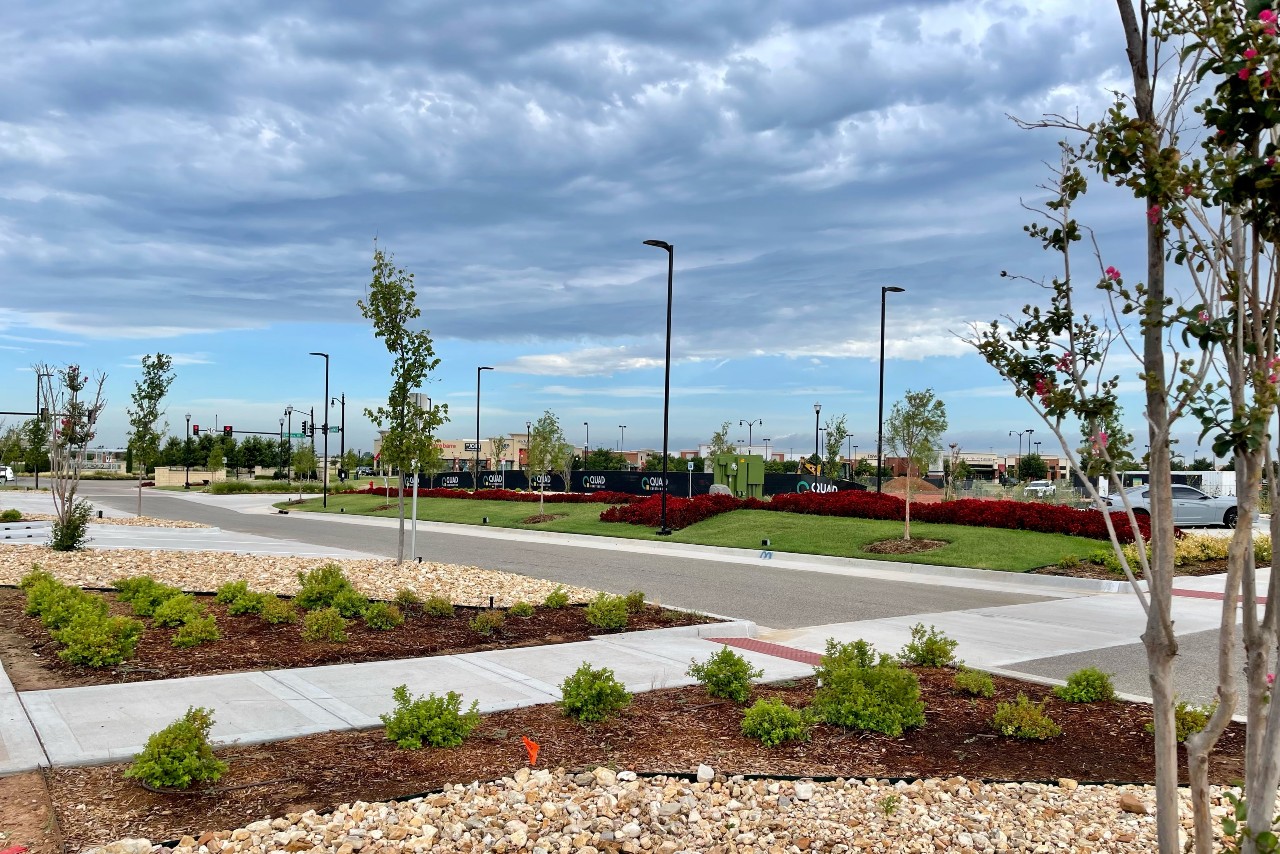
column 532, row 747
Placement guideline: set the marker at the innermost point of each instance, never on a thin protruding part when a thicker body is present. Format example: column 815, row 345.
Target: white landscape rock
column 706, row 773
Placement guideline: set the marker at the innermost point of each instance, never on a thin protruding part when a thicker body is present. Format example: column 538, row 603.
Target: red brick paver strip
column 777, row 650
column 1208, row 594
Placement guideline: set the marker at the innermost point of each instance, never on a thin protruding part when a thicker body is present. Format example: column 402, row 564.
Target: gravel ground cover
column 127, row 521
column 205, row 571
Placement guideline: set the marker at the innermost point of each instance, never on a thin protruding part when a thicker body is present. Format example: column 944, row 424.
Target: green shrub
column 1187, row 719
column 248, row 603
column 635, row 601
column 607, row 612
column 487, row 622
column 59, row 605
column 277, row 611
column 975, row 683
column 325, row 624
column 1025, row 719
column 1069, row 561
column 860, row 692
column 13, row 514
column 230, row 592
column 556, row 598
column 726, row 674
column 773, row 722
column 437, row 606
column 144, row 593
column 929, row 647
column 71, row 535
column 321, row 587
column 431, row 720
column 98, row 641
column 178, row 610
column 521, row 609
column 350, row 604
column 589, row 694
column 382, row 616
column 179, row 755
column 197, row 630
column 34, row 577
column 407, row 599
column 1088, row 685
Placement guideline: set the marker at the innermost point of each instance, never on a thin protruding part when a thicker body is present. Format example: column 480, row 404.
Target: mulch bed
column 903, row 547
column 543, row 517
column 248, row 643
column 1094, row 570
column 670, row 730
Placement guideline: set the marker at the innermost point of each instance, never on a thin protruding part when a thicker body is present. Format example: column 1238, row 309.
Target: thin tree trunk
column 400, row 536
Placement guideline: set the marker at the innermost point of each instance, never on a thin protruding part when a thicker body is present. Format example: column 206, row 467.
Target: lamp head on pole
column 661, row 244
column 326, row 355
column 188, row 416
column 892, row 289
column 817, row 407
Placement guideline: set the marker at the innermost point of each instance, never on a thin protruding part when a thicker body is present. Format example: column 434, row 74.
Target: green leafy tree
column 1107, row 447
column 720, row 443
column 74, row 402
column 914, row 429
column 35, row 456
column 836, row 433
column 604, row 459
column 350, row 461
column 653, row 463
column 145, row 414
column 391, row 305
column 171, row 453
column 216, row 460
column 498, row 447
column 545, row 454
column 304, row 461
column 1032, row 467
column 11, row 450
column 1201, row 464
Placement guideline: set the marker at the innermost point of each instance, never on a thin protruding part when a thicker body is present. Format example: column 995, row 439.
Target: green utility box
column 742, row 473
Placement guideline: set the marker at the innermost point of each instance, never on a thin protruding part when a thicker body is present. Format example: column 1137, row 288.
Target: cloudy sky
column 207, row 180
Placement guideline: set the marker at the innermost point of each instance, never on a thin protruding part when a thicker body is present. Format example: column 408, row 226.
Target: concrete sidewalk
column 101, row 723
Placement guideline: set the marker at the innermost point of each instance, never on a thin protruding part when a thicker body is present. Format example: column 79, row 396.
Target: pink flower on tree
column 1274, row 367
column 1243, row 73
column 1113, row 274
column 1204, row 316
column 1271, row 679
column 1268, row 19
column 1250, row 53
column 1044, row 387
column 1153, row 214
column 1064, row 364
column 1099, row 441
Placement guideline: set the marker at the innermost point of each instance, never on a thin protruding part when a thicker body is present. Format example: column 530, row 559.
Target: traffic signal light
column 226, row 430
column 304, row 428
column 195, row 429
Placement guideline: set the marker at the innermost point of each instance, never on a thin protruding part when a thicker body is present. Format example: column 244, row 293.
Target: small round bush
column 13, row 514
column 144, row 593
column 277, row 611
column 862, row 691
column 325, row 625
column 321, row 587
column 556, row 598
column 249, row 603
column 521, row 609
column 607, row 612
column 772, row 722
column 589, row 694
column 406, row 599
column 726, row 674
column 230, row 592
column 178, row 610
column 1087, row 685
column 437, row 606
column 1187, row 719
column 382, row 616
column 975, row 683
column 350, row 604
column 59, row 605
column 431, row 720
column 1025, row 719
column 635, row 601
column 34, row 577
column 487, row 622
column 179, row 755
column 198, row 630
column 929, row 647
column 93, row 640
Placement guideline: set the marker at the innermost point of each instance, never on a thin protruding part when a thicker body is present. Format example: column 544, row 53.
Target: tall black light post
column 766, row 449
column 324, row 483
column 475, row 473
column 885, row 289
column 817, row 409
column 342, row 425
column 666, row 384
column 1030, row 430
column 749, row 425
column 186, row 453
column 280, row 445
column 1018, row 459
column 288, row 460
column 586, row 445
column 622, row 437
column 40, row 415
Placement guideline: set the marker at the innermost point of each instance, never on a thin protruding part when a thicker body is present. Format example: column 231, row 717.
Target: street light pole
column 817, row 408
column 1030, row 430
column 586, row 445
column 622, row 437
column 288, row 460
column 1018, row 459
column 666, row 386
column 279, row 446
column 324, row 481
column 39, row 375
column 884, row 289
column 342, row 425
column 186, row 453
column 749, row 425
column 766, row 449
column 475, row 473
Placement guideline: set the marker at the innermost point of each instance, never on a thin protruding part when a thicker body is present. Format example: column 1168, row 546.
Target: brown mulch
column 670, row 730
column 248, row 643
column 542, row 517
column 903, row 547
column 919, row 486
column 26, row 819
column 1095, row 570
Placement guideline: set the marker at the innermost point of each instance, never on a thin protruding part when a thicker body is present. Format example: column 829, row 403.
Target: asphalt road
column 772, row 598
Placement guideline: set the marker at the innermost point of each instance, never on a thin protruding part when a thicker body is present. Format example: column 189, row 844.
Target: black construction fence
column 682, row 484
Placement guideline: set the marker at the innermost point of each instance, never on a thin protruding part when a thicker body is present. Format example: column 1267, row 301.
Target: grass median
column 982, row 548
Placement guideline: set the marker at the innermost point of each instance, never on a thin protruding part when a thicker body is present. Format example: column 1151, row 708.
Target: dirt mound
column 919, row 486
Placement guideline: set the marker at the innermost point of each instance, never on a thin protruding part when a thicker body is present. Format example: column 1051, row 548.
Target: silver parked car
column 6, row 474
column 1190, row 505
column 1039, row 489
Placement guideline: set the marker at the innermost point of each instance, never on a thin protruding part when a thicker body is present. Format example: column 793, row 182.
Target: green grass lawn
column 982, row 548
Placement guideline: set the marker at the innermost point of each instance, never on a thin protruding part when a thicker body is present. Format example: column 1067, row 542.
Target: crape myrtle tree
column 498, row 447
column 836, row 433
column 545, row 454
column 1211, row 211
column 391, row 305
column 144, row 415
column 74, row 401
column 913, row 431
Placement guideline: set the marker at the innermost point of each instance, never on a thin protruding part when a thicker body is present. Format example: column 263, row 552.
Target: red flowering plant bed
column 1017, row 515
column 602, row 496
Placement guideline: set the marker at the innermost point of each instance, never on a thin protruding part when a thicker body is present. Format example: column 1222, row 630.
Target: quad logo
column 805, row 486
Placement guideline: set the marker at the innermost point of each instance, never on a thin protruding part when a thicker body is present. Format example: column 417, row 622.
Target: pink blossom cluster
column 1064, row 363
column 1044, row 388
column 1098, row 441
column 1274, row 367
column 1112, row 274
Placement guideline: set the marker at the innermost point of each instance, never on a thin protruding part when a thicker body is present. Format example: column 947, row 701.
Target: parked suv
column 6, row 474
column 1039, row 489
